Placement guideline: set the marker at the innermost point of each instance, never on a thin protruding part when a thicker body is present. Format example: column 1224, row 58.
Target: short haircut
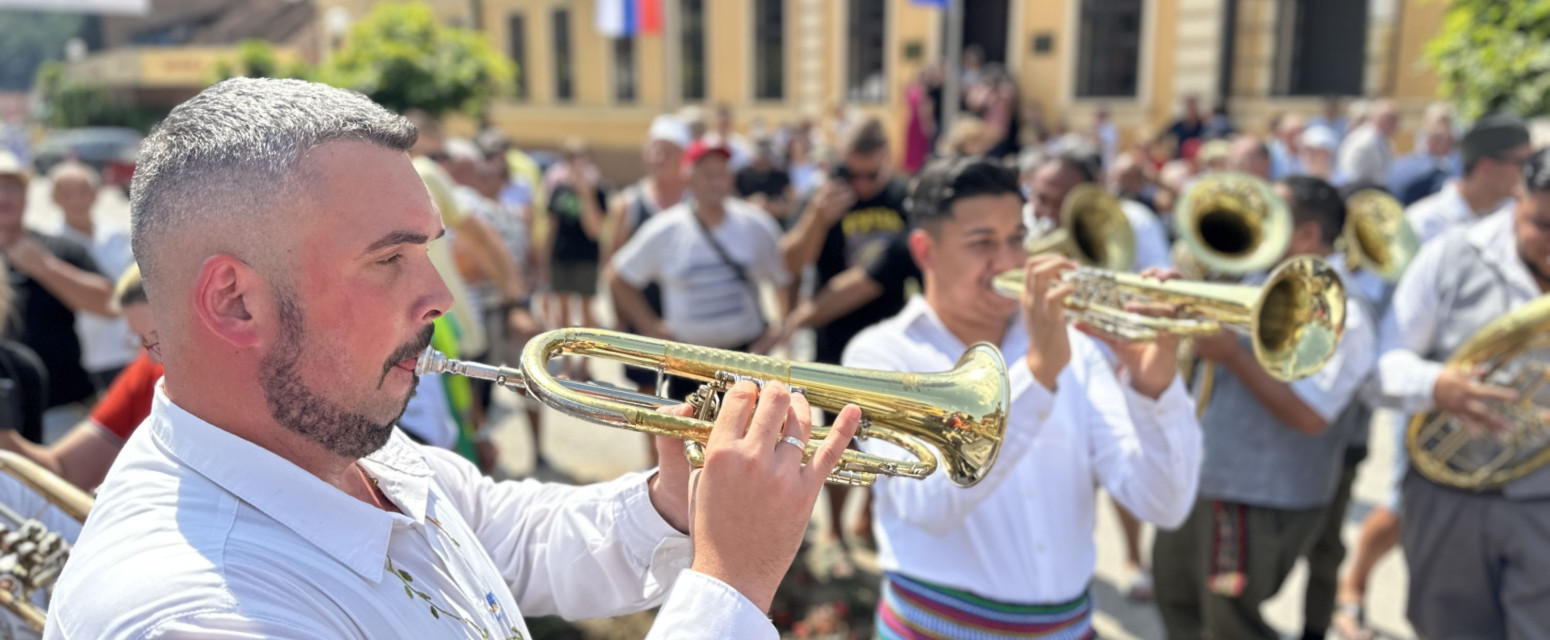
column 1314, row 200
column 130, row 289
column 1536, row 172
column 229, row 156
column 1081, row 160
column 74, row 169
column 866, row 138
column 947, row 180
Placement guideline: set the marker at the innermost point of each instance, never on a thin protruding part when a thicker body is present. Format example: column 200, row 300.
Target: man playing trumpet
column 1014, row 554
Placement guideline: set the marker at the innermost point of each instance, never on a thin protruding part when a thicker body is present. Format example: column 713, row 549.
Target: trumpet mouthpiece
column 431, row 361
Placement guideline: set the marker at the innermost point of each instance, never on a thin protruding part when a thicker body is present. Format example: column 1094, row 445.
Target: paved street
column 588, row 452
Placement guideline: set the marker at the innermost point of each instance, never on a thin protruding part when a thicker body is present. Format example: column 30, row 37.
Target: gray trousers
column 1326, row 554
column 1479, row 563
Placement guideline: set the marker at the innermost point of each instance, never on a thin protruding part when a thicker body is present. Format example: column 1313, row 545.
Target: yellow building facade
column 1136, row 58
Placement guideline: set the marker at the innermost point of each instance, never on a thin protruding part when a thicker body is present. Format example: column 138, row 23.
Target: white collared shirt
column 1444, row 210
column 1024, row 534
column 197, row 533
column 1409, row 331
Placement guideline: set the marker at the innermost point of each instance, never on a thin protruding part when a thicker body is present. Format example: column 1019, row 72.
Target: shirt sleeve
column 1145, row 452
column 1330, row 389
column 1406, row 378
column 75, row 254
column 641, row 260
column 1151, row 240
column 128, row 400
column 935, row 504
column 703, row 608
column 579, row 552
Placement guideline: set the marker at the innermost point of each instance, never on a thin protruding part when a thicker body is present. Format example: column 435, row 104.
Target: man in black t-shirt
column 52, row 278
column 851, row 219
column 1189, row 126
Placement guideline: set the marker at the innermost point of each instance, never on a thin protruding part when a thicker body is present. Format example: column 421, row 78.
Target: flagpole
column 951, row 73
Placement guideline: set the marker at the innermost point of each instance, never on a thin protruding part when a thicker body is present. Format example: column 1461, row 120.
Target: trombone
column 32, row 556
column 1093, row 231
column 1295, row 319
column 961, row 412
column 1376, row 236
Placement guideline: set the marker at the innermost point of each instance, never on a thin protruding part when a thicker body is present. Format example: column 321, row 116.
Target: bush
column 1491, row 56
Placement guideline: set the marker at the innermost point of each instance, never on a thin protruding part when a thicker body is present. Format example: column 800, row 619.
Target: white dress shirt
column 106, row 343
column 1407, row 379
column 1444, row 210
column 1366, row 155
column 197, row 533
column 1024, row 534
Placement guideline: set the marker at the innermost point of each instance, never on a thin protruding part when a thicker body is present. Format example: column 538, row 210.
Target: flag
column 939, row 4
column 628, row 18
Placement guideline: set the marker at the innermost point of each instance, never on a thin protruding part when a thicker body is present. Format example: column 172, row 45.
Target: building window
column 769, row 29
column 564, row 87
column 864, row 79
column 624, row 69
column 1109, row 62
column 516, row 42
column 1321, row 47
column 692, row 31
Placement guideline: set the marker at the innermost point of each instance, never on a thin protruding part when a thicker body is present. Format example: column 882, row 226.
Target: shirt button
column 1043, row 415
column 1039, row 547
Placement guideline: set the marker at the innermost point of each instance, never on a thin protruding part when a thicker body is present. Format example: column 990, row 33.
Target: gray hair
column 230, row 154
column 75, row 169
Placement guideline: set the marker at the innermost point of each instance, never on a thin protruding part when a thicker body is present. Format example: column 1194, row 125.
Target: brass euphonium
column 1376, row 236
column 31, row 556
column 1093, row 231
column 1512, row 351
column 1295, row 318
column 962, row 412
column 1233, row 223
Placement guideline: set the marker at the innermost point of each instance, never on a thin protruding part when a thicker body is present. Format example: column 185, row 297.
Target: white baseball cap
column 1319, row 137
column 668, row 128
column 10, row 165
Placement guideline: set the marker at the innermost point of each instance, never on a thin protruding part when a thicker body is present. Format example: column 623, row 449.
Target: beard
column 307, row 413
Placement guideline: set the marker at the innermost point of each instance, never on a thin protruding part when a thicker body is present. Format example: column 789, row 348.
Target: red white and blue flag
column 628, row 18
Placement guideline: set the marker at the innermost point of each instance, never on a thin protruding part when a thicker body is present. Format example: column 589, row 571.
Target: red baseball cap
column 703, row 147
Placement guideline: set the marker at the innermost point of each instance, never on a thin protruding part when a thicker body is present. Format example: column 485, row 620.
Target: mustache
column 408, row 350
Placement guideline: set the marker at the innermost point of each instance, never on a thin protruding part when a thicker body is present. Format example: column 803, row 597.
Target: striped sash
column 915, row 610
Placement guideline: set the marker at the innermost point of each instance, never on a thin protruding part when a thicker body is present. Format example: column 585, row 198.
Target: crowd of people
column 287, row 335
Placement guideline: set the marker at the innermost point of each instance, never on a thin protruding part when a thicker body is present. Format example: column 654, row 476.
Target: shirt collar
column 918, row 316
column 354, row 533
column 1496, row 240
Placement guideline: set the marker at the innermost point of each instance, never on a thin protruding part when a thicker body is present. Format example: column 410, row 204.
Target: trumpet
column 961, row 412
column 1233, row 223
column 32, row 556
column 1093, row 230
column 1376, row 235
column 1295, row 319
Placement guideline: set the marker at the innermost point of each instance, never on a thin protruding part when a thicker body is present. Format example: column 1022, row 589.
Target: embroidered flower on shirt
column 513, row 633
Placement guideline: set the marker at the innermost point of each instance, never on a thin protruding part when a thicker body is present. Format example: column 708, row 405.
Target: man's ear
column 922, row 249
column 223, row 299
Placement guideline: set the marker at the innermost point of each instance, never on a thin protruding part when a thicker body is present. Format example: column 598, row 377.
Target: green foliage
column 1494, row 55
column 401, row 57
column 68, row 103
column 29, row 38
column 257, row 59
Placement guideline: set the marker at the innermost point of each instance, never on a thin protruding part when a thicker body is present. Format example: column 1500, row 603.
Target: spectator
column 53, row 279
column 1106, row 136
column 1286, row 147
column 1188, row 127
column 969, row 136
column 1250, row 155
column 106, row 343
column 765, row 184
column 1034, row 132
column 577, row 201
column 1366, row 154
column 1330, row 118
column 1219, row 125
column 1059, row 174
column 1495, row 150
column 742, row 152
column 23, row 381
column 801, row 167
column 1319, row 145
column 920, row 127
column 1424, row 171
column 994, row 100
column 973, row 64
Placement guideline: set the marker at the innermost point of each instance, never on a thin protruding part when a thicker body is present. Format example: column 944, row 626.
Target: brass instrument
column 1512, row 351
column 1376, row 236
column 1233, row 223
column 1093, row 230
column 1295, row 318
column 962, row 412
column 31, row 556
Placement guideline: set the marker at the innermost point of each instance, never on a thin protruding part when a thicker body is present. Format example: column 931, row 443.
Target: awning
column 120, row 7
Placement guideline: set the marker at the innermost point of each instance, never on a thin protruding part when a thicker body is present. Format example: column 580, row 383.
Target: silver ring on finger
column 793, row 441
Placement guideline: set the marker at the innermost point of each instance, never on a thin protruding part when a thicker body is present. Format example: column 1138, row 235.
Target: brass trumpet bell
column 1376, row 236
column 1233, row 223
column 1093, row 231
column 962, row 413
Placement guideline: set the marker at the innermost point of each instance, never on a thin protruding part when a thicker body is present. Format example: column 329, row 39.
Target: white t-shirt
column 703, row 300
column 106, row 342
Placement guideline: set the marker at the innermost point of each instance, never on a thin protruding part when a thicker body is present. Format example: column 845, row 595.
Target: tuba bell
column 1376, row 236
column 1295, row 319
column 962, row 413
column 1093, row 231
column 31, row 555
column 1512, row 351
column 1233, row 223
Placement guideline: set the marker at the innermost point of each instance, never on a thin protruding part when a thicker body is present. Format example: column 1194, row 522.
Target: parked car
column 112, row 151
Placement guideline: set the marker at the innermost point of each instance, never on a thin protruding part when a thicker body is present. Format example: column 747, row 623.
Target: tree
column 1492, row 56
column 404, row 59
column 258, row 59
column 68, row 103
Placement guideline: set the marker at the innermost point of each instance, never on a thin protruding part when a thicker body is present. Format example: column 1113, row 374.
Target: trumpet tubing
column 961, row 413
column 31, row 556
